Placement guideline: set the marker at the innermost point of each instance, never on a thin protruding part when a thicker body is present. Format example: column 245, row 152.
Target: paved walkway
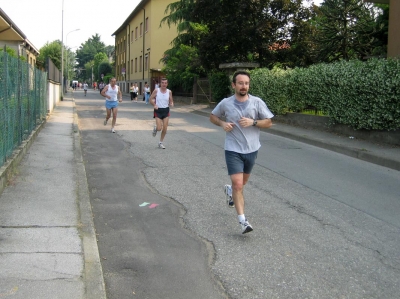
column 48, row 245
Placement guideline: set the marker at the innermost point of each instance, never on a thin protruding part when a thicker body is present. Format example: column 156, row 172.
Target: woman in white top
column 161, row 99
column 146, row 92
column 112, row 92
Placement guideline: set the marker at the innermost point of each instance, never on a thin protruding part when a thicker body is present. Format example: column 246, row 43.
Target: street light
column 66, row 44
column 67, row 60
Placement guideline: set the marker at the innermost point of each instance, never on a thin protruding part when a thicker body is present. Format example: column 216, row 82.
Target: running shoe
column 160, row 145
column 228, row 194
column 112, row 130
column 154, row 131
column 246, row 227
column 105, row 121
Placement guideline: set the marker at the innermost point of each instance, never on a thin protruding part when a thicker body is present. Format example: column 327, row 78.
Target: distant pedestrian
column 146, row 92
column 244, row 116
column 85, row 88
column 112, row 93
column 135, row 92
column 101, row 86
column 161, row 99
column 132, row 91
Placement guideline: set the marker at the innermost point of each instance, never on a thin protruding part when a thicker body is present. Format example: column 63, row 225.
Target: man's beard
column 243, row 92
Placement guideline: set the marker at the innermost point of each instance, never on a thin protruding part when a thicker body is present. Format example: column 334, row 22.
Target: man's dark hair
column 240, row 73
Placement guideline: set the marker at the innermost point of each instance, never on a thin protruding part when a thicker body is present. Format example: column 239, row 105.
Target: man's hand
column 245, row 122
column 227, row 126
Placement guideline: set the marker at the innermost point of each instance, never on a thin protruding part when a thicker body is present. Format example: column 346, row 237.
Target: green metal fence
column 23, row 105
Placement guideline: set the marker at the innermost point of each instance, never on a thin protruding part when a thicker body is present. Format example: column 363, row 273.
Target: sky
column 41, row 20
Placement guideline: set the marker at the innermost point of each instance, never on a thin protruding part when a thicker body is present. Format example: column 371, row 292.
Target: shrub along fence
column 362, row 95
column 23, row 102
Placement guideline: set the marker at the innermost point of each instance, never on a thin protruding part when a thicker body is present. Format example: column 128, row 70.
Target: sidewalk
column 380, row 154
column 48, row 247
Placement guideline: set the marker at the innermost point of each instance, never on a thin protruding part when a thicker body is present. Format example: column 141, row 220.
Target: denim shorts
column 240, row 163
column 111, row 104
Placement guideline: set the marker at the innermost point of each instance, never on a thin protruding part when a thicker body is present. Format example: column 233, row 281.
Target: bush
column 219, row 84
column 363, row 95
column 270, row 85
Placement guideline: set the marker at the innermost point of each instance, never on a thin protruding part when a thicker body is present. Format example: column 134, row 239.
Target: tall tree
column 243, row 30
column 345, row 30
column 89, row 49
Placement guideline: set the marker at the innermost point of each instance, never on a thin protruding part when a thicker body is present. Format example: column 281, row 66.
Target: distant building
column 140, row 43
column 14, row 38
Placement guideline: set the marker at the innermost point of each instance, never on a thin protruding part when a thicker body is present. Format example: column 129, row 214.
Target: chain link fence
column 23, row 105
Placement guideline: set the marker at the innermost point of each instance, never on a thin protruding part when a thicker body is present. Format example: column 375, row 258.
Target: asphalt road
column 325, row 225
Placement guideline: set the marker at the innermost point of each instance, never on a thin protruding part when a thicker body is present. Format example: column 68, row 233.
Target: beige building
column 12, row 37
column 140, row 43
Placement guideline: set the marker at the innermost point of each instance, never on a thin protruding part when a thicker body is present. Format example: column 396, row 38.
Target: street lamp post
column 67, row 53
column 62, row 51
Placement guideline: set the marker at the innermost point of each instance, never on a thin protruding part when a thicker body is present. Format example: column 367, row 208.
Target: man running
column 244, row 116
column 161, row 99
column 112, row 92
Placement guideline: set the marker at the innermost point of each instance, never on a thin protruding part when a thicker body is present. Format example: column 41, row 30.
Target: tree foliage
column 346, row 30
column 181, row 67
column 89, row 49
column 97, row 59
column 246, row 30
column 105, row 68
column 50, row 50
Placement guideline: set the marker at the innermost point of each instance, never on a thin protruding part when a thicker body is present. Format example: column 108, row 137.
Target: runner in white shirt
column 161, row 99
column 112, row 92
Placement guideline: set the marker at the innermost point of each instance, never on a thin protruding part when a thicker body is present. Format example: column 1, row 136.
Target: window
column 146, row 25
column 136, row 33
column 135, row 65
column 131, row 66
column 132, row 36
column 141, row 29
column 140, row 64
column 146, row 60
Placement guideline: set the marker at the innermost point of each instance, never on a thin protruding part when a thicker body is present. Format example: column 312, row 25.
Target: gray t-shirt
column 242, row 140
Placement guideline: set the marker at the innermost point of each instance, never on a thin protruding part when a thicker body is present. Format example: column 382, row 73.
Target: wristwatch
column 254, row 123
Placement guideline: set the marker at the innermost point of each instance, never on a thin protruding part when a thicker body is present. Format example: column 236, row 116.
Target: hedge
column 362, row 95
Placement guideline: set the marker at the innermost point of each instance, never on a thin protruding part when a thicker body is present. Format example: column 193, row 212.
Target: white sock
column 241, row 218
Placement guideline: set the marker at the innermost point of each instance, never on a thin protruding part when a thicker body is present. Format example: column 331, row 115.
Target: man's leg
column 164, row 128
column 238, row 182
column 108, row 114
column 114, row 120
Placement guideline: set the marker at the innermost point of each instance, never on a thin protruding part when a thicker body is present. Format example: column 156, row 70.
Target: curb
column 93, row 273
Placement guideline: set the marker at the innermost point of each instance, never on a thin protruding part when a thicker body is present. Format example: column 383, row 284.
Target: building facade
column 140, row 43
column 12, row 37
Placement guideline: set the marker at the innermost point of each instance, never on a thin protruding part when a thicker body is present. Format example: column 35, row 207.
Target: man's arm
column 261, row 123
column 171, row 101
column 152, row 98
column 219, row 122
column 119, row 95
column 103, row 92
